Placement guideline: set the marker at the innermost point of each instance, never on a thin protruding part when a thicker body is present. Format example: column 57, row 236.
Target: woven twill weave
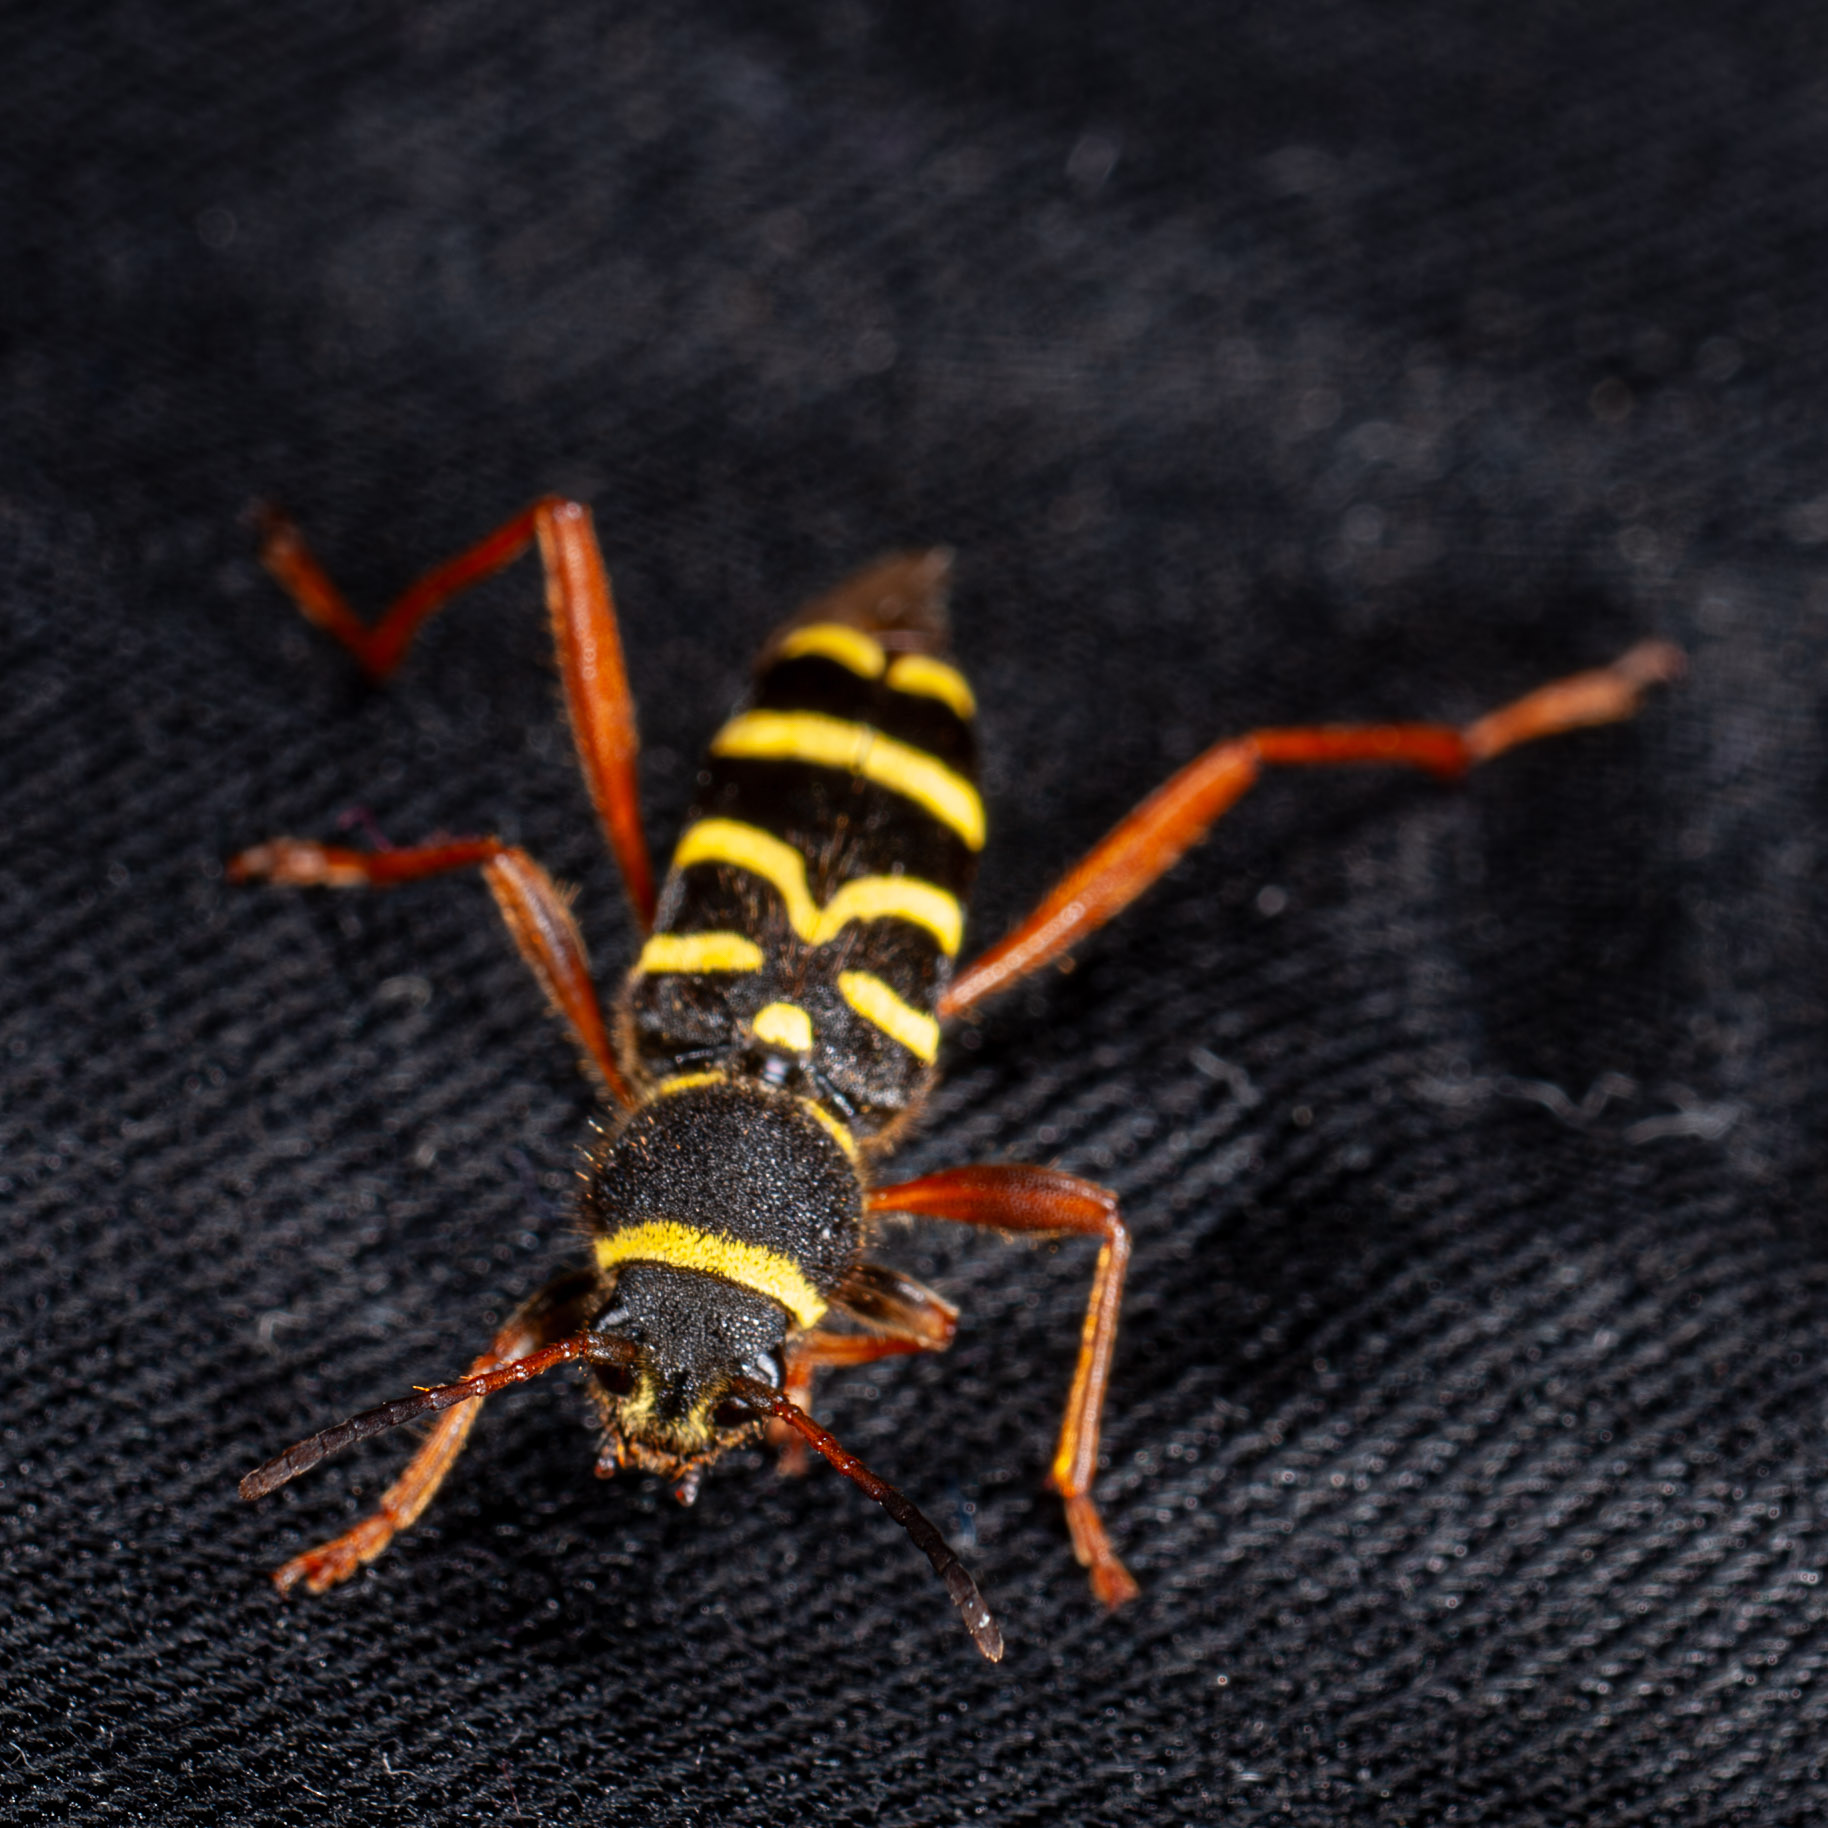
column 1263, row 364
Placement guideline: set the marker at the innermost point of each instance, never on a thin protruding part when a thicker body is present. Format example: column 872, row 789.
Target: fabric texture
column 1263, row 364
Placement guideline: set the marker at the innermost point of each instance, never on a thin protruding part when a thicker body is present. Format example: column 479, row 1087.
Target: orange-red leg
column 1046, row 1200
column 584, row 630
column 558, row 1309
column 1154, row 837
column 903, row 1315
column 531, row 905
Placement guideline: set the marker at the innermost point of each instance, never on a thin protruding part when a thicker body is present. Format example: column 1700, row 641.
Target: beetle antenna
column 305, row 1454
column 985, row 1633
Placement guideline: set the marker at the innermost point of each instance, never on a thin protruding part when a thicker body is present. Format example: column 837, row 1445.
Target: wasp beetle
column 781, row 1024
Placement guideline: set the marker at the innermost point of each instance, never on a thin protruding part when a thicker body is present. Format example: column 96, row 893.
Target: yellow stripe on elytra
column 878, row 1004
column 902, row 897
column 751, row 1266
column 832, row 742
column 850, row 647
column 921, row 676
column 784, row 1025
column 700, row 952
column 762, row 854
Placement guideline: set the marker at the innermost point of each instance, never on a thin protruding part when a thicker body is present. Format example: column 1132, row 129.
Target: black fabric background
column 1263, row 363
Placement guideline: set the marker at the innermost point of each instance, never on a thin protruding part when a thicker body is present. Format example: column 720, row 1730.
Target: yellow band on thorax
column 750, row 1266
column 839, row 1133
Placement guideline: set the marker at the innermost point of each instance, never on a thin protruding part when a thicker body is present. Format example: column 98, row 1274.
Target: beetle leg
column 532, row 906
column 584, row 630
column 557, row 1310
column 1153, row 838
column 902, row 1316
column 1010, row 1198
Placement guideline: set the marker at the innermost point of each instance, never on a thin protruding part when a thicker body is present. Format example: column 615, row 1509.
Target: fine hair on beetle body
column 782, row 1022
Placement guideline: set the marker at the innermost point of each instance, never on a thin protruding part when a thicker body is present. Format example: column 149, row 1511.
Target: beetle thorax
column 723, row 1216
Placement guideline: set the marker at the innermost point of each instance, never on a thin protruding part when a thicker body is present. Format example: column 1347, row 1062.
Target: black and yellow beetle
column 782, row 1022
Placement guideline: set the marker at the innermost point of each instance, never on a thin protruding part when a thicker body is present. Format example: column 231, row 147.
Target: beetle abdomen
column 816, row 900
